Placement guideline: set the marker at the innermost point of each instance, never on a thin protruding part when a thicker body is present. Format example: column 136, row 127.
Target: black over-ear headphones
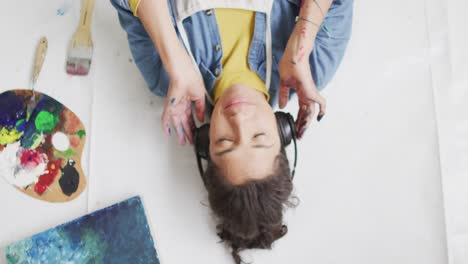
column 287, row 133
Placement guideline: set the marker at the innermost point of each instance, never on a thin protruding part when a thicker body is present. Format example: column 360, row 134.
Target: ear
column 202, row 141
column 286, row 127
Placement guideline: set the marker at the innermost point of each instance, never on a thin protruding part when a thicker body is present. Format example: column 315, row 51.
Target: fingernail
column 304, row 107
column 319, row 117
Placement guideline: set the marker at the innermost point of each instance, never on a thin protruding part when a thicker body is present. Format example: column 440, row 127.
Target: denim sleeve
column 143, row 50
column 329, row 49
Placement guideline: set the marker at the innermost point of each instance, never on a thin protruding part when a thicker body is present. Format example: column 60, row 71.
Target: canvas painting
column 41, row 144
column 117, row 234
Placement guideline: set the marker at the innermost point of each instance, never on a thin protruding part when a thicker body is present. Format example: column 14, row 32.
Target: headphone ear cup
column 202, row 141
column 286, row 127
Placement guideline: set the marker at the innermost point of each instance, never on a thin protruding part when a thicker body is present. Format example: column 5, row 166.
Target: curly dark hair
column 250, row 215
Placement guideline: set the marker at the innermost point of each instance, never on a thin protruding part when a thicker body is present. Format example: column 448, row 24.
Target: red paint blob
column 39, row 188
column 31, row 158
column 47, row 179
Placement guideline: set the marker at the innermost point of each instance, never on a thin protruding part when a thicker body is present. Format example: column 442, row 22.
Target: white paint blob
column 8, row 162
column 60, row 141
column 13, row 172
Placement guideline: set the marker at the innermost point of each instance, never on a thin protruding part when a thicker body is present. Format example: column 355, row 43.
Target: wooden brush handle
column 39, row 60
column 86, row 14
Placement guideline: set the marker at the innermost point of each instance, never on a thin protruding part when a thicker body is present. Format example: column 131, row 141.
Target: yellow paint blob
column 9, row 136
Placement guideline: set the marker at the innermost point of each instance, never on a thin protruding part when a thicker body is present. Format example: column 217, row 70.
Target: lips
column 236, row 104
column 236, row 101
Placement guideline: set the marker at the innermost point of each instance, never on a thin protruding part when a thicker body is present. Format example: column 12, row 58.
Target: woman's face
column 244, row 139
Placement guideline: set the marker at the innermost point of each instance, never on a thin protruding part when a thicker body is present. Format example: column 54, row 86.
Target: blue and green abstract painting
column 117, row 234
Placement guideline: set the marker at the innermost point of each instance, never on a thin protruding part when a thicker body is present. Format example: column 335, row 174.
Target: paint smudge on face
column 70, row 178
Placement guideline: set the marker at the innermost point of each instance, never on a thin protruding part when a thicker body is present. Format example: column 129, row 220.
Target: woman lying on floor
column 244, row 56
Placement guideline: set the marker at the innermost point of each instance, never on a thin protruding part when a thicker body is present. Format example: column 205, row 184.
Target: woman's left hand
column 294, row 70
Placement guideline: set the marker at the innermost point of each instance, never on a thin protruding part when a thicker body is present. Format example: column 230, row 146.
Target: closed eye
column 259, row 135
column 221, row 140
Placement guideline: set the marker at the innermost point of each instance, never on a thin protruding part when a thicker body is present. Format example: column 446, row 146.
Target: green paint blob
column 46, row 122
column 19, row 122
column 32, row 140
column 65, row 154
column 81, row 133
column 36, row 140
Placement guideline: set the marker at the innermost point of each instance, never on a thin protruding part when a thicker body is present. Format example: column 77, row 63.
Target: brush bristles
column 77, row 66
column 79, row 60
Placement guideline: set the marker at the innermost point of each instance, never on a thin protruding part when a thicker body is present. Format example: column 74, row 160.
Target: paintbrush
column 41, row 51
column 80, row 52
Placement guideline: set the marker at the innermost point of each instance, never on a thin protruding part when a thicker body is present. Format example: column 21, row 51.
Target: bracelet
column 320, row 8
column 307, row 20
column 323, row 26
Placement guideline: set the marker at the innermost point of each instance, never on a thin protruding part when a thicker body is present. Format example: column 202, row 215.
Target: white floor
column 381, row 180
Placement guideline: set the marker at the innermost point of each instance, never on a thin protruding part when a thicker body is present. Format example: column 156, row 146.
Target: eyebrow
column 233, row 148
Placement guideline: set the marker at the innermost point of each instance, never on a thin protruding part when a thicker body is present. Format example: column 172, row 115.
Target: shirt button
column 216, row 72
column 218, row 47
column 209, row 12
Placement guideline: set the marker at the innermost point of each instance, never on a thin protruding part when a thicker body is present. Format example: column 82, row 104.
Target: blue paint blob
column 12, row 109
column 60, row 12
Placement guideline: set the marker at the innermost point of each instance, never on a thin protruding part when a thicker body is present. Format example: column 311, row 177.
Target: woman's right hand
column 186, row 86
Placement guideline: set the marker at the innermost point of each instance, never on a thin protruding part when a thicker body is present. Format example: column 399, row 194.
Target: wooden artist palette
column 41, row 144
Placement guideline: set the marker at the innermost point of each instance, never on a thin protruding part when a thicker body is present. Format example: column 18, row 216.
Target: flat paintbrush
column 80, row 52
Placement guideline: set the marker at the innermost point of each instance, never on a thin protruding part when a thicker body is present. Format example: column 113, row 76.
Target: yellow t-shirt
column 236, row 28
column 134, row 6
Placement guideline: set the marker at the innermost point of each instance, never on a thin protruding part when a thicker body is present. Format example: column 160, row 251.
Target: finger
column 165, row 123
column 187, row 129
column 283, row 95
column 178, row 128
column 171, row 100
column 323, row 106
column 307, row 113
column 200, row 109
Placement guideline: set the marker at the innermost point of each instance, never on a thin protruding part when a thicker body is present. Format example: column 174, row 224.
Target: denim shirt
column 205, row 44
